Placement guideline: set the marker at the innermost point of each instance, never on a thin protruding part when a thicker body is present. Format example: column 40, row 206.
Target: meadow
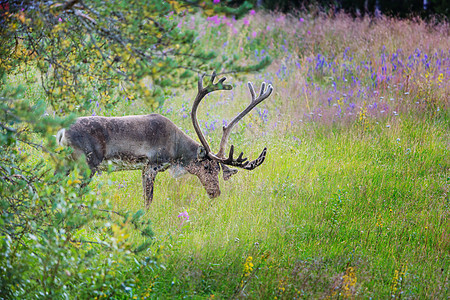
column 352, row 200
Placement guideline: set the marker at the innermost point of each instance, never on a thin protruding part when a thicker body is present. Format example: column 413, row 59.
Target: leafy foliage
column 43, row 251
column 106, row 50
column 55, row 241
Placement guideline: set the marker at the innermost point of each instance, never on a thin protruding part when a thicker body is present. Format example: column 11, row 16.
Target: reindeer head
column 207, row 166
column 208, row 172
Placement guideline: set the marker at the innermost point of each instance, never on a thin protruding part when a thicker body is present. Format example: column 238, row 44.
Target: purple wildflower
column 214, row 19
column 184, row 216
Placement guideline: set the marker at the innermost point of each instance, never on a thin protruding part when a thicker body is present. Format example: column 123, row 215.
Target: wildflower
column 215, row 20
column 281, row 285
column 184, row 216
column 349, row 281
column 302, row 20
column 216, row 1
column 379, row 221
column 440, row 78
column 248, row 266
column 246, row 21
column 394, row 282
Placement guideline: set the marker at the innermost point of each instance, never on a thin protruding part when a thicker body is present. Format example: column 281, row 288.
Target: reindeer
column 152, row 143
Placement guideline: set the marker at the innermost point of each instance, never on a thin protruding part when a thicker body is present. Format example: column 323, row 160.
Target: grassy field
column 337, row 214
column 352, row 201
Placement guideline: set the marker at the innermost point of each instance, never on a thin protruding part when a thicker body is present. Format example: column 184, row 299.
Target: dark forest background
column 397, row 8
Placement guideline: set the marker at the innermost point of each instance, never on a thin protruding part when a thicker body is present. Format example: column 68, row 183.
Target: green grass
column 376, row 202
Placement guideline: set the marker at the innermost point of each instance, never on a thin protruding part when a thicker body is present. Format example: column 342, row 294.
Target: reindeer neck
column 186, row 149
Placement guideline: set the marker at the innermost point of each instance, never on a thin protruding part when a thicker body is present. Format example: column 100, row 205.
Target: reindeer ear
column 201, row 153
column 227, row 172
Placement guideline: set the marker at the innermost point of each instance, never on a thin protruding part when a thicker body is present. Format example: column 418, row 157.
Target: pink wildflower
column 184, row 216
column 280, row 19
column 214, row 19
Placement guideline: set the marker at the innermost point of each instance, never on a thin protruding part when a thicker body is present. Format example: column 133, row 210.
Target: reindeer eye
column 206, row 167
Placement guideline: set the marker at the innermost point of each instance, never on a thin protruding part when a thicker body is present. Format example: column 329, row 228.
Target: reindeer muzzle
column 213, row 193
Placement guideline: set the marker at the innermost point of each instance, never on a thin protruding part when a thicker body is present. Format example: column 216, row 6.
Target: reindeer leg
column 86, row 181
column 93, row 160
column 148, row 180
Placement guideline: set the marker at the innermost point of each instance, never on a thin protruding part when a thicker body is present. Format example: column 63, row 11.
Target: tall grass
column 353, row 198
column 377, row 204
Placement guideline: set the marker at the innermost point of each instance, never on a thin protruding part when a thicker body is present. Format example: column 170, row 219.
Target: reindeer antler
column 202, row 92
column 240, row 161
column 263, row 94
